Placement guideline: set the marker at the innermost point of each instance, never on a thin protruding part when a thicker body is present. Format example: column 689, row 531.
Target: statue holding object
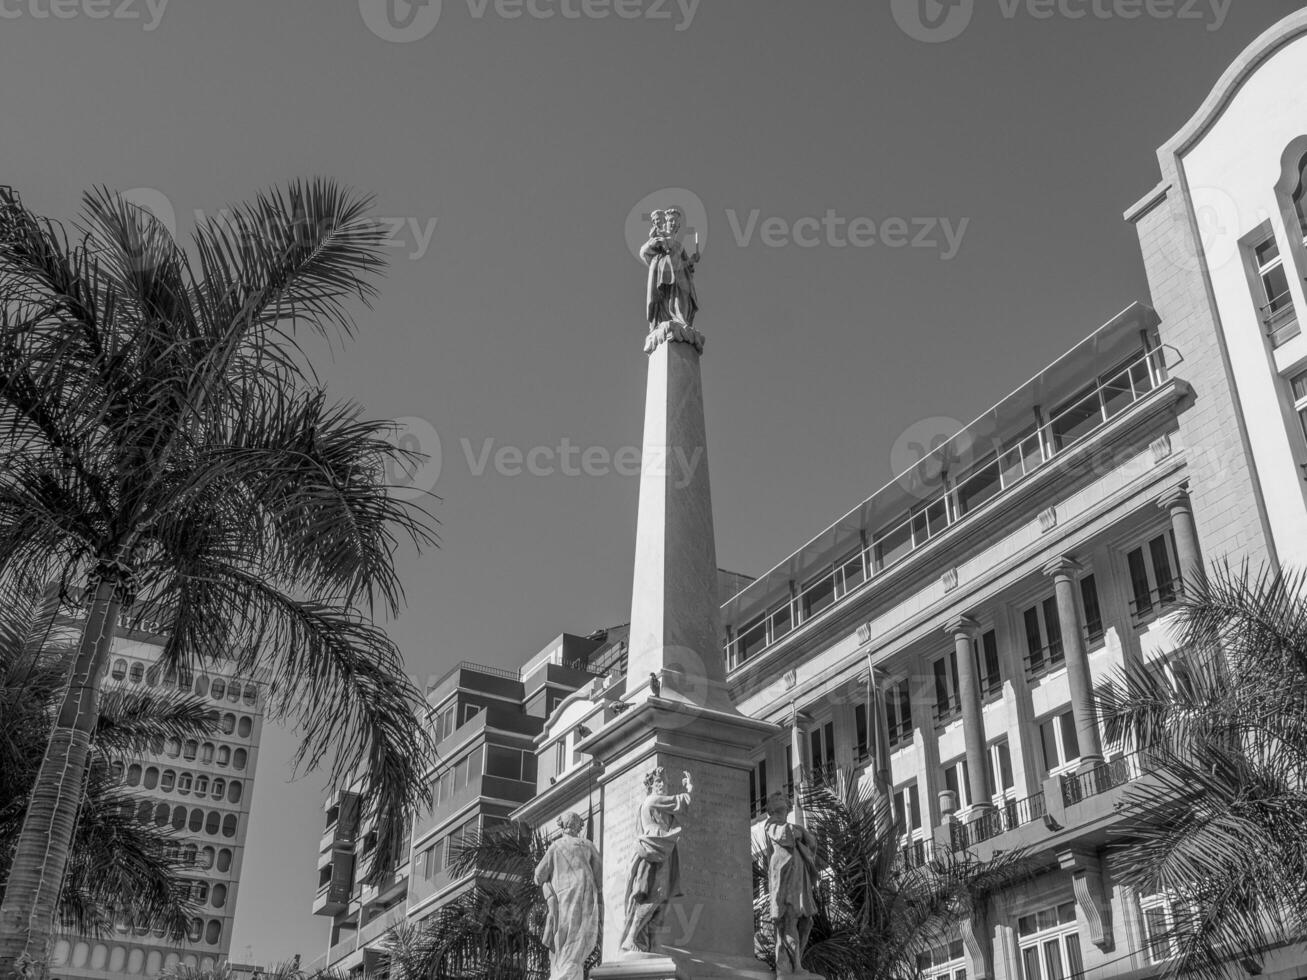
column 792, row 866
column 671, row 300
column 655, row 877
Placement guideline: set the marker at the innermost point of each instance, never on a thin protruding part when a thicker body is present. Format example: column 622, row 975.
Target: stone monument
column 679, row 717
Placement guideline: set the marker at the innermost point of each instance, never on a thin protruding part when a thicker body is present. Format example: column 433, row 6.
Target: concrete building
column 202, row 790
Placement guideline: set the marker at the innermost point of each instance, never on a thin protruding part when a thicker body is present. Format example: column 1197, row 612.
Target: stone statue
column 791, row 854
column 571, row 875
column 655, row 872
column 671, row 302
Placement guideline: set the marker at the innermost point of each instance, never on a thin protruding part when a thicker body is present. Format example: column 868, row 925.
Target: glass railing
column 991, row 479
column 1281, row 320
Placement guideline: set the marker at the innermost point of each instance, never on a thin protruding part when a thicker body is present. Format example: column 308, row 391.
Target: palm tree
column 165, row 446
column 495, row 930
column 1217, row 825
column 876, row 911
column 290, row 970
column 120, row 867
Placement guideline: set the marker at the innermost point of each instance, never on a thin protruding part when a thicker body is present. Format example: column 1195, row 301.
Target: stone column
column 1065, row 572
column 679, row 716
column 964, row 630
column 1189, row 557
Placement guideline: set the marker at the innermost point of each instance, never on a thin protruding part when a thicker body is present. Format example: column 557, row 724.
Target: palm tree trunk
column 27, row 917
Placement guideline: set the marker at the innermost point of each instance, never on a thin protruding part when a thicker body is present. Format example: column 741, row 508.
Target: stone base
column 675, row 964
column 669, row 331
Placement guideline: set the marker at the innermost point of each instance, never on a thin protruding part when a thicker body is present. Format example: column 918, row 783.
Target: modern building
column 201, row 789
column 947, row 633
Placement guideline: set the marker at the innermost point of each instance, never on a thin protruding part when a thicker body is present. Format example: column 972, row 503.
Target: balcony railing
column 916, row 853
column 1008, row 816
column 1158, row 600
column 1105, row 777
column 992, row 479
column 950, row 709
column 1045, row 660
column 1281, row 320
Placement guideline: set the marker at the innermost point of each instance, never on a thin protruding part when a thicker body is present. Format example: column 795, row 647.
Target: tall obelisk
column 679, row 716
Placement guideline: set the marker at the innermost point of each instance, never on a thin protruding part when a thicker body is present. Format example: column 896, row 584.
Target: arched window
column 161, row 814
column 219, row 895
column 1299, row 197
column 145, row 812
column 238, row 759
column 206, row 753
column 228, row 723
column 191, row 749
column 116, row 770
column 199, row 891
column 201, row 785
column 151, row 778
column 207, row 856
column 233, row 691
column 137, row 673
column 184, row 783
column 167, row 781
column 250, row 695
column 229, row 825
column 219, row 789
column 152, row 676
column 224, row 858
column 188, row 855
column 224, row 755
column 213, row 823
column 119, row 670
column 217, row 689
column 213, row 932
column 197, row 821
column 133, row 774
column 179, row 818
column 173, row 747
column 195, row 930
column 202, row 685
column 245, row 727
column 234, row 791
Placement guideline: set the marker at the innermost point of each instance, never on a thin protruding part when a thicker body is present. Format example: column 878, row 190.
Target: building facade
column 201, row 791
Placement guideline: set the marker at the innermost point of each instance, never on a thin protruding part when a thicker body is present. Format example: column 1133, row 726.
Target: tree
column 492, row 931
column 120, row 867
column 281, row 971
column 877, row 911
column 1216, row 825
column 165, row 446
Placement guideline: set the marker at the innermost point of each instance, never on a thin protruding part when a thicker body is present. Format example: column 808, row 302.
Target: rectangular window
column 947, row 704
column 998, row 774
column 980, row 486
column 1161, row 930
column 1050, row 944
column 1076, row 417
column 1092, row 610
column 944, row 963
column 469, row 712
column 907, row 808
column 1061, row 745
column 898, row 714
column 505, row 763
column 956, row 780
column 892, row 543
column 1273, row 297
column 1043, row 638
column 991, row 681
column 861, row 733
column 1152, row 577
column 821, row 750
column 817, row 594
column 560, row 756
column 1299, row 386
column 929, row 521
column 758, row 789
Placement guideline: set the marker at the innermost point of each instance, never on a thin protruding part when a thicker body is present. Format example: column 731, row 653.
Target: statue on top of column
column 671, row 301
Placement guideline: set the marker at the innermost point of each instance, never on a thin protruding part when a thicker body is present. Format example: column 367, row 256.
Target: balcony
column 1104, row 778
column 1009, row 816
column 977, row 490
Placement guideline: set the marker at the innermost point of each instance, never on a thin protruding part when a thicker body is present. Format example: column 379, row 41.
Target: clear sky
column 514, row 149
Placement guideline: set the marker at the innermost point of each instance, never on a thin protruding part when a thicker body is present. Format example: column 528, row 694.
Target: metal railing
column 1158, row 600
column 917, row 853
column 992, row 479
column 950, row 709
column 1107, row 776
column 1045, row 660
column 1009, row 815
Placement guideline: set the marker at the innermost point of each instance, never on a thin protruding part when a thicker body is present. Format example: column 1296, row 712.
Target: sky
column 906, row 209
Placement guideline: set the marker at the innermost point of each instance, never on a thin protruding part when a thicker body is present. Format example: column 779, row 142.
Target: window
column 217, row 689
column 957, row 779
column 907, row 808
column 861, row 733
column 947, row 704
column 821, row 751
column 1076, row 417
column 1162, row 927
column 167, row 780
column 119, row 670
column 206, row 753
column 1093, row 612
column 946, row 962
column 509, row 763
column 1299, row 386
column 152, row 677
column 213, row 932
column 219, row 789
column 1050, row 945
column 1044, row 651
column 991, row 681
column 218, row 898
column 898, row 714
column 213, row 822
column 1152, row 576
column 199, row 891
column 137, row 673
column 233, row 691
column 470, row 711
column 228, row 723
column 196, row 822
column 184, row 782
column 891, row 544
column 238, row 759
column 202, row 685
column 133, row 774
column 758, row 789
column 1273, row 290
column 224, row 858
column 229, row 825
column 1061, row 745
column 444, row 723
column 817, row 594
column 207, row 857
column 224, row 755
column 931, row 520
column 179, row 818
column 998, row 769
column 234, row 790
column 173, row 747
column 250, row 695
column 981, row 485
column 191, row 750
column 151, row 778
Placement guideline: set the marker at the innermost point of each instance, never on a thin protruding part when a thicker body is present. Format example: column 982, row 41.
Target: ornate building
column 202, row 790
